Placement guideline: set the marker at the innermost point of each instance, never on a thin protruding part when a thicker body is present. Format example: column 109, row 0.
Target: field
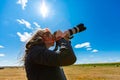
column 74, row 72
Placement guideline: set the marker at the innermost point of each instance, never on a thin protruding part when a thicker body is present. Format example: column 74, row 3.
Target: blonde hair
column 36, row 39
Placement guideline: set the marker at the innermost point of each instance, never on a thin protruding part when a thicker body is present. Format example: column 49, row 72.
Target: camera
column 76, row 29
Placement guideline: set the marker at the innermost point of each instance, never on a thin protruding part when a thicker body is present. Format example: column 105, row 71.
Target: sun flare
column 44, row 9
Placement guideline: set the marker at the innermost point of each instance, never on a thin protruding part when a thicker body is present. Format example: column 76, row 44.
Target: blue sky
column 99, row 43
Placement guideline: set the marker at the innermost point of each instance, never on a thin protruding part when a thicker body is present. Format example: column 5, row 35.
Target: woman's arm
column 43, row 56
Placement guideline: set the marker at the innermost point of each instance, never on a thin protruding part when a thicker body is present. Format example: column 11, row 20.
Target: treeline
column 3, row 67
column 117, row 64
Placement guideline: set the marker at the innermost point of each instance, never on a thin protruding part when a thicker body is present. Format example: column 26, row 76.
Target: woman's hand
column 59, row 34
column 66, row 35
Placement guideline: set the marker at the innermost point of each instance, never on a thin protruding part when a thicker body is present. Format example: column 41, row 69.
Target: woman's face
column 48, row 39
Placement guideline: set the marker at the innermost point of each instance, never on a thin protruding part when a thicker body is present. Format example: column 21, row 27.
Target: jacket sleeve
column 47, row 57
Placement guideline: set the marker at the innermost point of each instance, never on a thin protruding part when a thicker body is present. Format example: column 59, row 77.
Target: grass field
column 76, row 72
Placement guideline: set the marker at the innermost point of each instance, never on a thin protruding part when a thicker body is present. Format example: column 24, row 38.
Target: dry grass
column 12, row 74
column 72, row 73
column 92, row 73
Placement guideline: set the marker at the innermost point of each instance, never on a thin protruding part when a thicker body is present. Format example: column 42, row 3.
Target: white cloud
column 24, row 37
column 26, row 23
column 2, row 55
column 37, row 25
column 22, row 3
column 1, row 46
column 89, row 49
column 86, row 45
column 94, row 50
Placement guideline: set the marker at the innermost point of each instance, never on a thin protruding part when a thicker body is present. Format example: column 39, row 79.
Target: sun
column 44, row 9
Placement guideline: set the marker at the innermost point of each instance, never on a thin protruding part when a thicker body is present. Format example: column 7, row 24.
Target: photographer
column 44, row 64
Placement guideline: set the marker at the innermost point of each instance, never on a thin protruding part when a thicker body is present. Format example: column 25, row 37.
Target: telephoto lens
column 76, row 29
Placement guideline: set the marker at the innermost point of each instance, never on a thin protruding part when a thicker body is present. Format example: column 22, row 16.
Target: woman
column 44, row 64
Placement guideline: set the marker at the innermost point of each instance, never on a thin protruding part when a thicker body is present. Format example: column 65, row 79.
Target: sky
column 99, row 43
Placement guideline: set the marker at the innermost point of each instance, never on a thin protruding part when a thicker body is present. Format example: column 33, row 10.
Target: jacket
column 44, row 64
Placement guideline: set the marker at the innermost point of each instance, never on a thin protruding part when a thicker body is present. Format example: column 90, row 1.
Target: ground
column 74, row 72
